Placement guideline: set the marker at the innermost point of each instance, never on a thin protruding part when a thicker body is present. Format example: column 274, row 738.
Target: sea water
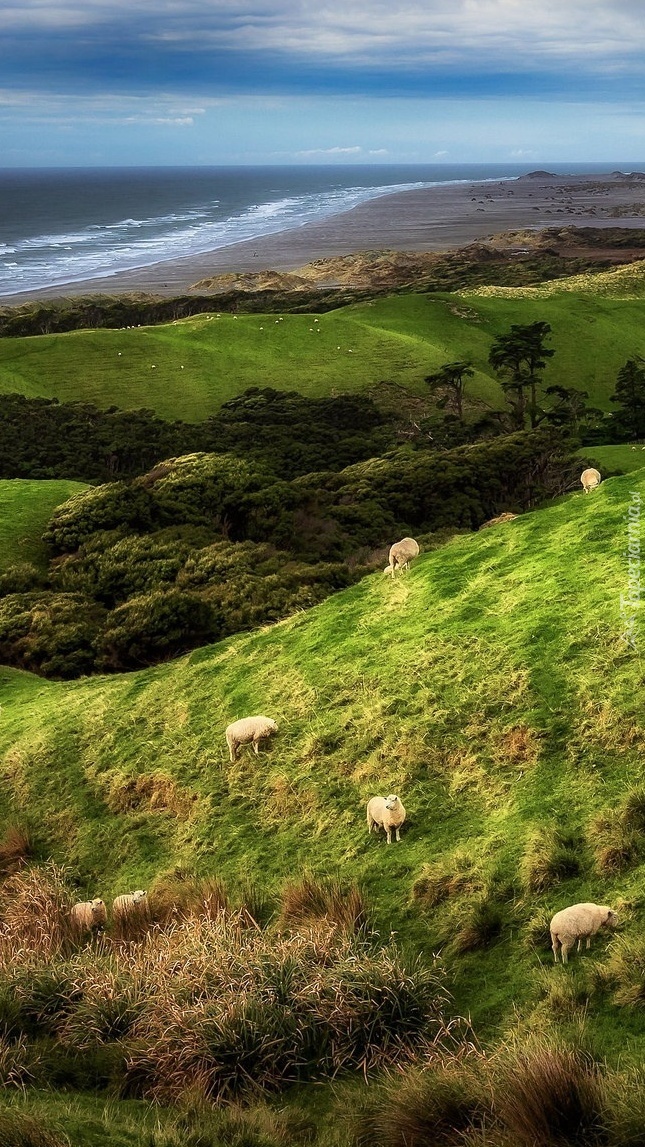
column 62, row 226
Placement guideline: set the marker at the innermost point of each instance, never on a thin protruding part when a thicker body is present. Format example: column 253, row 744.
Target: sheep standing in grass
column 401, row 554
column 248, row 730
column 579, row 922
column 590, row 479
column 128, row 904
column 387, row 813
column 88, row 915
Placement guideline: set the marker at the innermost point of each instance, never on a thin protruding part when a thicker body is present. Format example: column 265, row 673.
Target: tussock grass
column 310, row 899
column 548, row 1096
column 552, row 855
column 16, row 848
column 20, row 1129
column 438, row 1105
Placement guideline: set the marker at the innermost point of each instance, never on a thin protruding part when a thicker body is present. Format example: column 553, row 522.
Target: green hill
column 25, row 508
column 490, row 686
column 188, row 368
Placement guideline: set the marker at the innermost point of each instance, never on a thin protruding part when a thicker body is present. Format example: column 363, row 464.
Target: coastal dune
column 436, row 219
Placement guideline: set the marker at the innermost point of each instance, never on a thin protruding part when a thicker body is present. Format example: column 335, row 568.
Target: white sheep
column 248, row 729
column 387, row 813
column 401, row 554
column 590, row 479
column 579, row 922
column 128, row 903
column 88, row 915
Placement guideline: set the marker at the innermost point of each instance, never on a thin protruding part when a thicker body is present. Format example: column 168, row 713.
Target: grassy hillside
column 188, row 368
column 619, row 459
column 489, row 686
column 25, row 508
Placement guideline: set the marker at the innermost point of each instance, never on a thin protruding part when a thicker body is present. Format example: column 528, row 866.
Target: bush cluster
column 207, row 545
column 208, row 1001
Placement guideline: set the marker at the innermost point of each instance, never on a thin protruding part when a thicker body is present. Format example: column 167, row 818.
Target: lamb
column 128, row 903
column 590, row 479
column 387, row 813
column 248, row 729
column 401, row 554
column 88, row 915
column 579, row 922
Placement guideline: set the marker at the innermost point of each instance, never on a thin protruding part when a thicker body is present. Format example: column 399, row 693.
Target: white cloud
column 601, row 32
column 329, row 151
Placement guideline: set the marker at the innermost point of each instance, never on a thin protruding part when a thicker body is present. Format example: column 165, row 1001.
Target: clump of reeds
column 435, row 1104
column 183, row 894
column 312, row 898
column 548, row 1096
column 16, row 848
column 552, row 855
column 249, row 1011
column 34, row 914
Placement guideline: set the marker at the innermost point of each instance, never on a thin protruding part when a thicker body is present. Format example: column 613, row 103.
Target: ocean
column 61, row 226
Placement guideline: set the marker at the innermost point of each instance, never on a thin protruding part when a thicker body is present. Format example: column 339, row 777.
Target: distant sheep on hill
column 387, row 813
column 579, row 922
column 401, row 554
column 249, row 730
column 590, row 479
column 88, row 915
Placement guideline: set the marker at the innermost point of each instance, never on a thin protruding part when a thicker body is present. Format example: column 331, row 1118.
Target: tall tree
column 629, row 395
column 518, row 358
column 449, row 382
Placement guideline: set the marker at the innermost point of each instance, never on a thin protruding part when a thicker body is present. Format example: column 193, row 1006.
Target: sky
column 111, row 82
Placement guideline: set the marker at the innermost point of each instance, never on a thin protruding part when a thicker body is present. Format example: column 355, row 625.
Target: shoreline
column 434, row 219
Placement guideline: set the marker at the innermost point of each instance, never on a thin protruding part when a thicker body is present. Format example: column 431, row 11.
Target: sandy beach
column 439, row 218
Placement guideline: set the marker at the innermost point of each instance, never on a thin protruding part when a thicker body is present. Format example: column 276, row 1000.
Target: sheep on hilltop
column 387, row 813
column 248, row 730
column 579, row 922
column 401, row 554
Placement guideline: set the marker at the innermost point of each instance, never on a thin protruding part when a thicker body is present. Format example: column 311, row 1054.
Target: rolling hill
column 490, row 686
column 187, row 369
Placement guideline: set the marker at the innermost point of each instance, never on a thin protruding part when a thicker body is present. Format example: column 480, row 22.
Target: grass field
column 187, row 369
column 25, row 509
column 620, row 459
column 499, row 718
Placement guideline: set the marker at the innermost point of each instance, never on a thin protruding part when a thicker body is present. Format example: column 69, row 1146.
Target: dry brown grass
column 443, row 879
column 547, row 1096
column 312, row 898
column 155, row 790
column 552, row 854
column 16, row 848
column 34, row 914
column 182, row 894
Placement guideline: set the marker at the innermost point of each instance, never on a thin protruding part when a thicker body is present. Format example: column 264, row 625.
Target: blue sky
column 316, row 81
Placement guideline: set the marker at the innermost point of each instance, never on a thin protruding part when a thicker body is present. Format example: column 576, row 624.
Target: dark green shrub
column 20, row 578
column 156, row 626
column 106, row 507
column 49, row 633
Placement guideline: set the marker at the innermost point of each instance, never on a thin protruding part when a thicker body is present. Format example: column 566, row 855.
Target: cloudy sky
column 315, row 81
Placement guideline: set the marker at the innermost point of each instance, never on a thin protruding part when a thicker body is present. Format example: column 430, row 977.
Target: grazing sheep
column 387, row 813
column 248, row 729
column 579, row 922
column 128, row 903
column 590, row 479
column 88, row 915
column 401, row 554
